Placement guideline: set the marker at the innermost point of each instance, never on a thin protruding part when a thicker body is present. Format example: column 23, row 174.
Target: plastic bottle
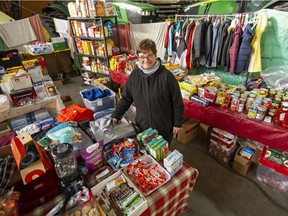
column 281, row 114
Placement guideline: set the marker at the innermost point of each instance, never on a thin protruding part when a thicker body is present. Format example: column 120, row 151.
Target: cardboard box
column 36, row 168
column 241, row 164
column 188, row 131
column 4, row 128
column 67, row 100
column 173, row 162
column 97, row 189
column 204, row 131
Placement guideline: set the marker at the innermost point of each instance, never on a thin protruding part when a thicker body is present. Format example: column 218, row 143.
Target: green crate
column 59, row 46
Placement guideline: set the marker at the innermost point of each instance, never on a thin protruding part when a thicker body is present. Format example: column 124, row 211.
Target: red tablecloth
column 238, row 123
column 234, row 122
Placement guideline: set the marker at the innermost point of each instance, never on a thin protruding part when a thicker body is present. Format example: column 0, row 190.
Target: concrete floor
column 218, row 190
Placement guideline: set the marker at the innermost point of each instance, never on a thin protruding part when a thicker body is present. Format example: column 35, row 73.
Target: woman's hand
column 115, row 121
column 176, row 130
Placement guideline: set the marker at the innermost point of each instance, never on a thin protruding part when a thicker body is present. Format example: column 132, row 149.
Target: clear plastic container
column 65, row 161
column 273, row 178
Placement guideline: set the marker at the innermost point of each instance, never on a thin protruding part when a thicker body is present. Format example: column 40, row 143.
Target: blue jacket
column 244, row 50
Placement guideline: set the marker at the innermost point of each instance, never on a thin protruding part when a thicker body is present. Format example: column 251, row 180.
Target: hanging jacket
column 255, row 60
column 171, row 39
column 197, row 45
column 244, row 50
column 233, row 51
column 223, row 36
column 189, row 45
column 206, row 57
column 216, row 28
column 167, row 35
column 225, row 52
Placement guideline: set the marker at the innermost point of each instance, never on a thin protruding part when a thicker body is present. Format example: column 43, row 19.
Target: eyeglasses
column 146, row 57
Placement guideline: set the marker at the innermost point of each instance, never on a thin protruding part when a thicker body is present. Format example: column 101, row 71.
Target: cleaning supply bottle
column 281, row 113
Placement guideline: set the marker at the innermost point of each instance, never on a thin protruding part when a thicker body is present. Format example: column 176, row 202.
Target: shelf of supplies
column 94, row 38
column 96, row 73
column 92, row 56
column 91, row 18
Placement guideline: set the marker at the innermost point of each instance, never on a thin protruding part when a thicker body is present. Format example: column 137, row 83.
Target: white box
column 173, row 162
column 97, row 189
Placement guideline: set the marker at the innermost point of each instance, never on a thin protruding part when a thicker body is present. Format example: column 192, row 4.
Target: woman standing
column 155, row 93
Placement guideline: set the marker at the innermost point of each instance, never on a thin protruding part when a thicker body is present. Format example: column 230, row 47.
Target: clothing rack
column 199, row 16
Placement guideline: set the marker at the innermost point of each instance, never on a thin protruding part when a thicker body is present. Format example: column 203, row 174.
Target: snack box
column 98, row 188
column 173, row 162
column 151, row 162
column 159, row 150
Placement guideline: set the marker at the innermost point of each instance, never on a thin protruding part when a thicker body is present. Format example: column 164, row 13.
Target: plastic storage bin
column 101, row 103
column 273, row 178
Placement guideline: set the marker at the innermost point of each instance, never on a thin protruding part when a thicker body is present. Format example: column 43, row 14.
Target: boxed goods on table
column 108, row 194
column 98, row 98
column 173, row 162
column 30, row 158
column 158, row 148
column 273, row 168
column 147, row 174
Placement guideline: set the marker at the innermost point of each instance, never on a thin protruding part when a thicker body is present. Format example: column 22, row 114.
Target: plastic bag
column 276, row 77
column 82, row 203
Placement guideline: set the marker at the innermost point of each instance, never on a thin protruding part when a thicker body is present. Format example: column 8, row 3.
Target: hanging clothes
column 37, row 26
column 167, row 35
column 244, row 50
column 23, row 27
column 197, row 44
column 124, row 35
column 222, row 39
column 206, row 55
column 189, row 45
column 215, row 42
column 225, row 60
column 233, row 50
column 255, row 60
column 171, row 39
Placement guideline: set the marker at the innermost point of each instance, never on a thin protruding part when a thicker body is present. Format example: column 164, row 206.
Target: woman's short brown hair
column 146, row 45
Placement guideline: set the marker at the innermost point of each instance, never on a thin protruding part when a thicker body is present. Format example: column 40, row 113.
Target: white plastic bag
column 276, row 77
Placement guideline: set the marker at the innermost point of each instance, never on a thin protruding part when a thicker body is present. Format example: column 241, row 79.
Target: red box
column 37, row 192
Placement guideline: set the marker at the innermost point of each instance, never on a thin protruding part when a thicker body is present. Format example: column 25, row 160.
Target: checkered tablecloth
column 172, row 198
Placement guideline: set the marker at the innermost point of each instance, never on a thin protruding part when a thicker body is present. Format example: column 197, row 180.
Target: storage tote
column 100, row 103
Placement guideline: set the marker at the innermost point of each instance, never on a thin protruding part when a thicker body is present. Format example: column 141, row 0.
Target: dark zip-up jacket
column 157, row 99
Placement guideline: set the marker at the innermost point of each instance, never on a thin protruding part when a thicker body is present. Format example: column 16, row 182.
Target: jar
column 267, row 102
column 261, row 111
column 252, row 95
column 234, row 103
column 252, row 111
column 249, row 103
column 65, row 162
column 263, row 91
column 272, row 109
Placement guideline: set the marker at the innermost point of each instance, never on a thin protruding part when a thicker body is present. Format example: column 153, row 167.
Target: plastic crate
column 101, row 103
column 272, row 178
